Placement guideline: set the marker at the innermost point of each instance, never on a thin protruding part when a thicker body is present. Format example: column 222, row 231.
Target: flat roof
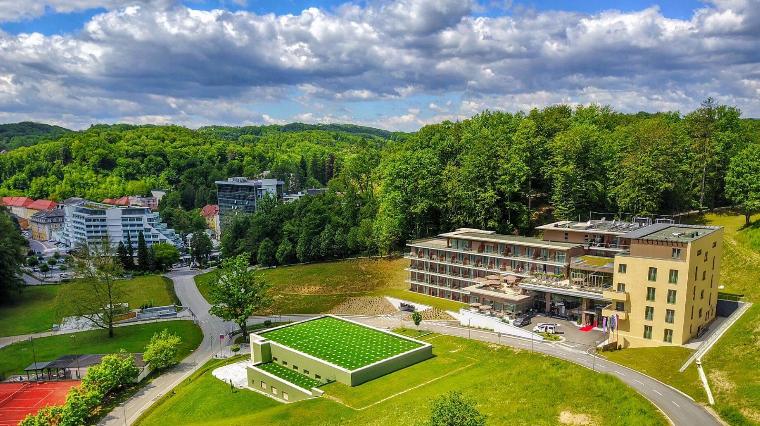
column 340, row 342
column 501, row 238
column 670, row 232
column 611, row 227
column 301, row 380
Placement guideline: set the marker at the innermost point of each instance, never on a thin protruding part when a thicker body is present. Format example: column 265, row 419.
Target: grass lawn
column 340, row 342
column 318, row 287
column 14, row 358
column 33, row 311
column 510, row 386
column 285, row 373
column 663, row 364
column 42, row 306
column 732, row 364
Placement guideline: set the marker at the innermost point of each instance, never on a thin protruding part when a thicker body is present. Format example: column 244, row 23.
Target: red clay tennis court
column 19, row 399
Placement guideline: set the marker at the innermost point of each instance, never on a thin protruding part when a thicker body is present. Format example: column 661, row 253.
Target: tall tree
column 143, row 253
column 164, row 256
column 98, row 294
column 123, row 256
column 237, row 292
column 130, row 251
column 12, row 250
column 743, row 181
column 200, row 247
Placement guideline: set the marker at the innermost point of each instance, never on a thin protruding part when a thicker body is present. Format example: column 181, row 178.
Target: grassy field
column 510, row 386
column 732, row 364
column 42, row 306
column 318, row 287
column 14, row 358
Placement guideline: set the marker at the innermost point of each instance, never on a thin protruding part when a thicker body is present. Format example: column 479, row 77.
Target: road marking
column 639, row 382
column 656, row 391
column 676, row 404
column 620, row 373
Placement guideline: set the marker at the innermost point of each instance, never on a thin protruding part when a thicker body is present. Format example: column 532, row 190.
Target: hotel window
column 306, row 372
column 284, row 363
column 622, row 268
column 649, row 313
column 699, row 252
column 274, row 390
column 673, row 276
column 318, row 377
column 566, row 236
column 647, row 331
column 700, row 312
column 701, row 294
column 704, row 275
column 650, row 294
column 620, row 306
column 671, row 297
column 652, row 276
column 676, row 253
column 668, row 336
column 706, row 255
column 670, row 316
column 621, row 287
column 715, row 243
column 692, row 312
column 696, row 272
column 263, row 385
column 285, row 396
column 295, row 367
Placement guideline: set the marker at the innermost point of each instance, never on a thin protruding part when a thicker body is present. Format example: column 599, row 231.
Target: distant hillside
column 233, row 133
column 27, row 133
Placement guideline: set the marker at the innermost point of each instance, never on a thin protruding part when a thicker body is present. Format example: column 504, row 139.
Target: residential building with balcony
column 665, row 287
column 650, row 276
column 87, row 222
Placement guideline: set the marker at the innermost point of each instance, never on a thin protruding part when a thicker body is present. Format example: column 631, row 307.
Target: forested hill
column 499, row 171
column 27, row 133
column 233, row 133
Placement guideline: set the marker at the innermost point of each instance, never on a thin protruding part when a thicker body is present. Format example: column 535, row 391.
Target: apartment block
column 649, row 276
column 88, row 222
column 45, row 224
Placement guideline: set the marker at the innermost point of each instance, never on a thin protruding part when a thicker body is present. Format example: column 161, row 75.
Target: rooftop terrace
column 669, row 232
column 294, row 377
column 613, row 227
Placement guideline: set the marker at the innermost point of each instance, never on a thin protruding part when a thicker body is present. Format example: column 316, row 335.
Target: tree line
column 502, row 171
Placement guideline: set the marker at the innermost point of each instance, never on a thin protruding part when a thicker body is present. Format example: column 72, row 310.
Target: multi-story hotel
column 89, row 222
column 574, row 271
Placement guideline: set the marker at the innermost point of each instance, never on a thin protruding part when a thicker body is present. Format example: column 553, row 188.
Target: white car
column 545, row 328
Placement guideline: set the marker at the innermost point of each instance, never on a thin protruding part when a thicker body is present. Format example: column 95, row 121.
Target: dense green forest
column 497, row 170
column 27, row 133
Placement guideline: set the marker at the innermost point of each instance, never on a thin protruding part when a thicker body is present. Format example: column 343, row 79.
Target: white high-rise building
column 89, row 222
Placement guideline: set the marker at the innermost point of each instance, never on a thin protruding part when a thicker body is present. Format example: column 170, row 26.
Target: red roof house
column 210, row 210
column 40, row 205
column 17, row 201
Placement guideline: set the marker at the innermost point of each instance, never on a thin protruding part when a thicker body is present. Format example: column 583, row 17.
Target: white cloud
column 145, row 61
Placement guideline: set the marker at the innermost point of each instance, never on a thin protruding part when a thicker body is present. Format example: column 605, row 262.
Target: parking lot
column 570, row 331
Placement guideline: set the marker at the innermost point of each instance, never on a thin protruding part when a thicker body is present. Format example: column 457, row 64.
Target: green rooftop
column 289, row 375
column 340, row 342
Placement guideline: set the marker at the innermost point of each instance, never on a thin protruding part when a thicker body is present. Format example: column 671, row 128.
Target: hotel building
column 89, row 222
column 241, row 195
column 573, row 271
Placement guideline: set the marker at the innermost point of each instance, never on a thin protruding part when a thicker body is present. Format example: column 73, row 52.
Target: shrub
column 453, row 409
column 161, row 351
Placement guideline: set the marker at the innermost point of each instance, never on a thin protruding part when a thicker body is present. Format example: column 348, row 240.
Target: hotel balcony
column 615, row 296
column 610, row 310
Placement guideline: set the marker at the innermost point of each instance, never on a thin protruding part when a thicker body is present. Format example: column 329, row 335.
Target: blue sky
column 395, row 64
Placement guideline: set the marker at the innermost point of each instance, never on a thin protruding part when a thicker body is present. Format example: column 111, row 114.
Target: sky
column 392, row 64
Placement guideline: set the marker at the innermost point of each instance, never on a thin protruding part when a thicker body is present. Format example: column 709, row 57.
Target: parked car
column 545, row 328
column 521, row 321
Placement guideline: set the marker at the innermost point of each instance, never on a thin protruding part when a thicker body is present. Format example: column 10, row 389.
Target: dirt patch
column 431, row 314
column 364, row 306
column 720, row 382
column 751, row 414
column 570, row 418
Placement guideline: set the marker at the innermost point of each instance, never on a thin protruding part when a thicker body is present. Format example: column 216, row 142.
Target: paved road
column 679, row 408
column 212, row 327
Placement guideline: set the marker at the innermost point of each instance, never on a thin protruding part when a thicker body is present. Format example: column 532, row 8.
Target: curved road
column 188, row 294
column 677, row 407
